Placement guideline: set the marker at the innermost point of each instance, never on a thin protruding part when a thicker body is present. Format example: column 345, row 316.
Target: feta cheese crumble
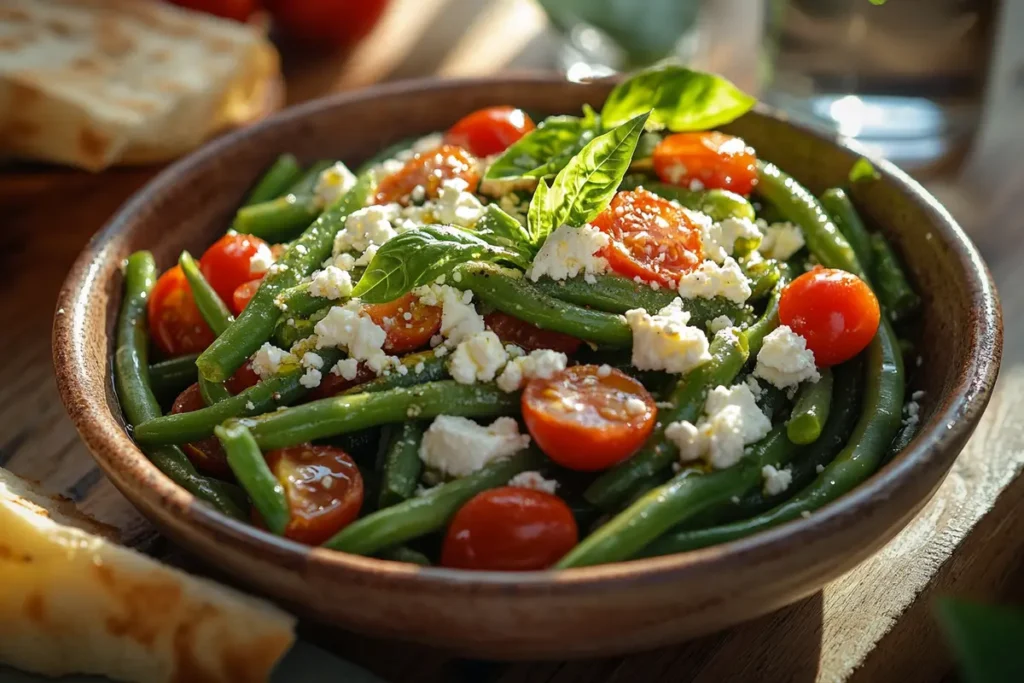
column 731, row 421
column 477, row 358
column 457, row 446
column 781, row 241
column 268, row 360
column 568, row 252
column 331, row 283
column 370, row 225
column 785, row 360
column 260, row 262
column 719, row 239
column 720, row 323
column 332, row 183
column 347, row 327
column 543, row 363
column 665, row 341
column 346, row 368
column 776, row 481
column 709, row 280
column 456, row 206
column 533, row 480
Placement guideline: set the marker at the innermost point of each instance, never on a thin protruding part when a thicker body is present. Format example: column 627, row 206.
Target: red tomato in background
column 835, row 311
column 429, row 170
column 489, row 131
column 175, row 323
column 327, row 23
column 226, row 265
column 241, row 297
column 529, row 337
column 509, row 529
column 239, row 10
column 587, row 420
column 716, row 160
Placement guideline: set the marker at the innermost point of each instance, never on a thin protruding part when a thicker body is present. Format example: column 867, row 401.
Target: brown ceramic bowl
column 595, row 611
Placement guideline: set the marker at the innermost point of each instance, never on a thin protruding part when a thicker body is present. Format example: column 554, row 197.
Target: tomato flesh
column 207, row 454
column 529, row 337
column 327, row 23
column 227, row 264
column 429, row 170
column 587, row 418
column 713, row 159
column 509, row 529
column 241, row 297
column 323, row 487
column 175, row 323
column 835, row 311
column 651, row 238
column 408, row 322
column 489, row 131
column 332, row 384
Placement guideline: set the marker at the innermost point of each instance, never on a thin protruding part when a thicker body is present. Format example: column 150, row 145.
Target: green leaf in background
column 863, row 170
column 545, row 150
column 678, row 98
column 417, row 257
column 987, row 640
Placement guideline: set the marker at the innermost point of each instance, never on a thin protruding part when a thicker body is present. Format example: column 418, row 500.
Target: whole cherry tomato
column 512, row 330
column 408, row 322
column 329, row 23
column 241, row 297
column 835, row 311
column 489, row 131
column 175, row 323
column 509, row 529
column 228, row 263
column 588, row 417
column 239, row 10
column 428, row 170
column 651, row 238
column 715, row 160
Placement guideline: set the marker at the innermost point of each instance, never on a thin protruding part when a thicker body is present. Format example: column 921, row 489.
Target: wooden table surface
column 872, row 624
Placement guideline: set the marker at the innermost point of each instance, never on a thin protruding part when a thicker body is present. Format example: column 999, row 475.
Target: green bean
column 514, row 294
column 401, row 553
column 253, row 473
column 877, row 424
column 768, row 321
column 402, row 465
column 433, row 369
column 136, row 396
column 799, row 206
column 771, row 400
column 209, row 303
column 288, row 331
column 666, row 506
column 281, row 175
column 171, row 377
column 718, row 204
column 429, row 512
column 298, row 302
column 811, row 410
column 902, row 439
column 728, row 354
column 267, row 395
column 307, row 182
column 844, row 215
column 763, row 276
column 340, row 414
column 278, row 220
column 615, row 294
column 212, row 392
column 256, row 323
column 894, row 291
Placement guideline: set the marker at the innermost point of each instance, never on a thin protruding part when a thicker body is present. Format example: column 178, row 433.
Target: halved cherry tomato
column 835, row 311
column 243, row 378
column 332, row 384
column 652, row 238
column 428, row 170
column 587, row 419
column 408, row 322
column 241, row 297
column 512, row 330
column 323, row 487
column 489, row 131
column 509, row 529
column 239, row 10
column 226, row 265
column 716, row 160
column 330, row 23
column 175, row 323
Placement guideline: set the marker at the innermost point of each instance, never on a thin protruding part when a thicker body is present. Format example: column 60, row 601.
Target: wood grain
column 873, row 624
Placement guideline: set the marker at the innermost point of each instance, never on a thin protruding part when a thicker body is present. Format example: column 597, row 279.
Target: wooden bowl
column 594, row 611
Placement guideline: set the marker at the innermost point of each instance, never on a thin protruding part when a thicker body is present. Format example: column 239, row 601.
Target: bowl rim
column 89, row 412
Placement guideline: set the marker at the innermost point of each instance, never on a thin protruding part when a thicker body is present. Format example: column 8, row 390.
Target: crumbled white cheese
column 775, row 480
column 347, row 327
column 913, row 413
column 260, row 262
column 457, row 446
column 477, row 358
column 709, row 280
column 917, row 396
column 781, row 241
column 755, row 387
column 718, row 324
column 249, row 405
column 731, row 421
column 268, row 360
column 456, row 206
column 785, row 360
column 333, row 182
column 665, row 341
column 331, row 283
column 719, row 239
column 312, row 360
column 568, row 252
column 542, row 363
column 344, row 261
column 459, row 319
column 346, row 368
column 635, row 406
column 819, row 468
column 311, row 378
column 370, row 225
column 604, row 370
column 533, row 480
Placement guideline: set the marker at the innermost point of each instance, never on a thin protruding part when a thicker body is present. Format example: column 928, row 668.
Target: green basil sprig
column 546, row 149
column 862, row 169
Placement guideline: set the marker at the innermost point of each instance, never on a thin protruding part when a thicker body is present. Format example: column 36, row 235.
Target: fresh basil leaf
column 678, row 98
column 539, row 217
column 586, row 185
column 498, row 227
column 546, row 149
column 417, row 257
column 863, row 170
column 986, row 639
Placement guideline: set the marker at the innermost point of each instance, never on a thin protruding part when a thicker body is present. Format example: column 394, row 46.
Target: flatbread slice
column 74, row 602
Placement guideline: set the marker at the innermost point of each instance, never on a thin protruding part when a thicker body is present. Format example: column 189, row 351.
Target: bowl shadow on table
column 783, row 646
